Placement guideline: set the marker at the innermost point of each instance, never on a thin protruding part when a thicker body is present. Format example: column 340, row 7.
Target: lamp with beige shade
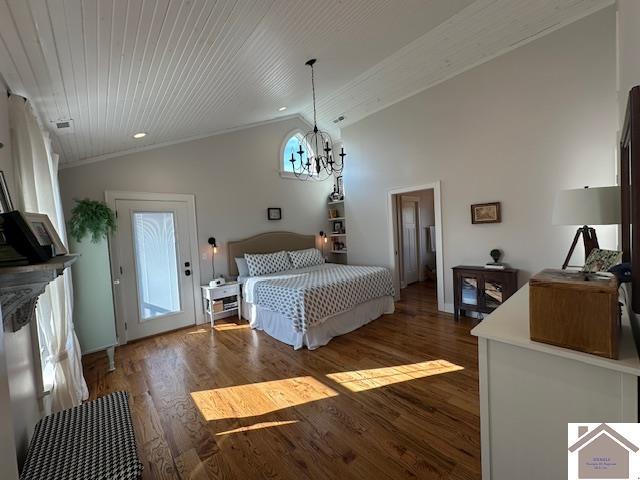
column 587, row 206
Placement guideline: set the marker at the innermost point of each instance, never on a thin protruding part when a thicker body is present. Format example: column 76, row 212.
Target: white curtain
column 36, row 174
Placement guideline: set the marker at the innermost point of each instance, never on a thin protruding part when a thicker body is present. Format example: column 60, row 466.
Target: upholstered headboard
column 266, row 243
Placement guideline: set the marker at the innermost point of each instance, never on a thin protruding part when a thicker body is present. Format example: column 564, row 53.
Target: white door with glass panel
column 156, row 281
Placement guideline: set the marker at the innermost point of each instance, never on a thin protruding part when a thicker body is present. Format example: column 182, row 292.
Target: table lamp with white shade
column 587, row 206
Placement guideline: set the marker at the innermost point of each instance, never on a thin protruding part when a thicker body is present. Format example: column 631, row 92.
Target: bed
column 307, row 307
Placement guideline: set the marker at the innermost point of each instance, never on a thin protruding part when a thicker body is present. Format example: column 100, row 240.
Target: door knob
column 187, row 272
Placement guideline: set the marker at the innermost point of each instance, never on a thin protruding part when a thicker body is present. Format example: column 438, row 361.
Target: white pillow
column 243, row 268
column 264, row 263
column 306, row 258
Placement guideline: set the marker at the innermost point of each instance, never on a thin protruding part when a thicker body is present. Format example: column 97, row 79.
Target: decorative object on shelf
column 274, row 213
column 319, row 163
column 336, row 196
column 338, row 226
column 486, row 213
column 601, row 260
column 19, row 244
column 91, row 217
column 6, row 205
column 338, row 246
column 46, row 233
column 495, row 265
column 333, row 213
column 586, row 206
column 340, row 186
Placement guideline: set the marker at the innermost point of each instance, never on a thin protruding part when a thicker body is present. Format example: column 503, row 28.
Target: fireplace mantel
column 21, row 286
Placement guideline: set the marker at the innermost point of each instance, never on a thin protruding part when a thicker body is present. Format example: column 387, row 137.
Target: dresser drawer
column 222, row 292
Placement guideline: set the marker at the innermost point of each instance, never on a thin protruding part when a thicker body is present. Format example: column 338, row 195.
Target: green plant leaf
column 91, row 217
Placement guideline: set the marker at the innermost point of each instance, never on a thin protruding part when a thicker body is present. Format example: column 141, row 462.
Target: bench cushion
column 94, row 440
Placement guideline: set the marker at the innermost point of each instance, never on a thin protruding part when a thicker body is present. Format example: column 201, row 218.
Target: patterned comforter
column 309, row 297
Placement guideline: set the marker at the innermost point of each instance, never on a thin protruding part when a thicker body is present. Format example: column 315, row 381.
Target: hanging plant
column 91, row 217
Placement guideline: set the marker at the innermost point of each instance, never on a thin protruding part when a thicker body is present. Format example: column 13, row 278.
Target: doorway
column 153, row 263
column 416, row 238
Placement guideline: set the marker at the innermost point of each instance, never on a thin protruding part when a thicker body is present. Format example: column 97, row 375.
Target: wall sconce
column 214, row 250
column 323, row 238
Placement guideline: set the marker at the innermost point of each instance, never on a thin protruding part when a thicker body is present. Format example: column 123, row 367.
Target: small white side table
column 212, row 294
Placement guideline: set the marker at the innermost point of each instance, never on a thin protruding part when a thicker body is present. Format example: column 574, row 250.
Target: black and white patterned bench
column 94, row 440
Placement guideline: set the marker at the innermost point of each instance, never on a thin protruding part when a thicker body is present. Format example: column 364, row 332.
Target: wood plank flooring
column 395, row 399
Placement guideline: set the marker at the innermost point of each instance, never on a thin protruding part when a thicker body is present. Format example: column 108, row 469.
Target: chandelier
column 315, row 151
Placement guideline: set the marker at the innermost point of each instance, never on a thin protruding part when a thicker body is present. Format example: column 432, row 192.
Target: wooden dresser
column 480, row 289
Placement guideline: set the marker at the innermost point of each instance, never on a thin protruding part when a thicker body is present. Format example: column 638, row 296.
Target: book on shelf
column 495, row 266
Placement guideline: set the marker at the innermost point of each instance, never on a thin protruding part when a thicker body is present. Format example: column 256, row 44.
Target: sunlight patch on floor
column 258, row 426
column 260, row 398
column 230, row 326
column 200, row 330
column 361, row 380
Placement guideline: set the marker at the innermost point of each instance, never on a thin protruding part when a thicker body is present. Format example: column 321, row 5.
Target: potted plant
column 91, row 217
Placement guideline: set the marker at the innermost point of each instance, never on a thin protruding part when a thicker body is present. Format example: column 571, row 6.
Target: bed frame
column 266, row 243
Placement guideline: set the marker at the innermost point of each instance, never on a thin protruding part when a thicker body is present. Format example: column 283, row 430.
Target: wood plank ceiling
column 179, row 69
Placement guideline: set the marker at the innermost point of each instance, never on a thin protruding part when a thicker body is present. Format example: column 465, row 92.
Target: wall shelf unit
column 336, row 232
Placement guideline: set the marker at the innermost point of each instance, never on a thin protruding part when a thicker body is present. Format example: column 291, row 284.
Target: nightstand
column 220, row 302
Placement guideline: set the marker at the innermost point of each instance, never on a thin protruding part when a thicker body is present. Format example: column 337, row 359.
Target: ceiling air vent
column 339, row 119
column 64, row 126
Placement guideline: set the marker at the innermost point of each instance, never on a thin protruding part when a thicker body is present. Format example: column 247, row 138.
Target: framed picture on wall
column 274, row 213
column 486, row 213
column 45, row 232
column 340, row 185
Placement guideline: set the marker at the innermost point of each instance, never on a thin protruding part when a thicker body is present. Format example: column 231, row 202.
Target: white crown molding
column 154, row 146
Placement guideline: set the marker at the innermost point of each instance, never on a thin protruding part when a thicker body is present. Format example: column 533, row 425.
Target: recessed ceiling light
column 282, row 109
column 139, row 135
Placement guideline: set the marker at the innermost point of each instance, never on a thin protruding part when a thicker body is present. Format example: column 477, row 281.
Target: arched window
column 290, row 146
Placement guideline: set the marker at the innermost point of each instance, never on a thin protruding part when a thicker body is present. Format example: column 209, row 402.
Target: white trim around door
column 437, row 206
column 111, row 197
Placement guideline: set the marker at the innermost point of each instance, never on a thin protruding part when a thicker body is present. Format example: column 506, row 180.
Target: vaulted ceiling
column 182, row 69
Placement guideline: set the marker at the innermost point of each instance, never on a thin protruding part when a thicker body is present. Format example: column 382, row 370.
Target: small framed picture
column 486, row 213
column 333, row 213
column 6, row 205
column 340, row 185
column 274, row 213
column 19, row 243
column 45, row 232
column 337, row 226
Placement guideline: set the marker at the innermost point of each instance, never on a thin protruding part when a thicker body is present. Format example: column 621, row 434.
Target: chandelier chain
column 313, row 91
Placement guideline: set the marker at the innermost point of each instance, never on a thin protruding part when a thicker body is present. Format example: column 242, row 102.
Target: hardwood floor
column 395, row 399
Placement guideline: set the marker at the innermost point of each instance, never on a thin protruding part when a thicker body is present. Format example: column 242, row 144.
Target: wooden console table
column 480, row 289
column 21, row 286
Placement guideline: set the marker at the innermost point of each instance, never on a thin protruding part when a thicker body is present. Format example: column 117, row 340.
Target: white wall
column 20, row 412
column 516, row 130
column 628, row 50
column 234, row 177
